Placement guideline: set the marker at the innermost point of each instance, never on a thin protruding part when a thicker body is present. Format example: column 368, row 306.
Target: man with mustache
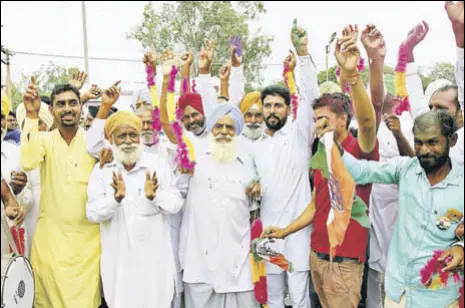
column 132, row 199
column 215, row 231
column 66, row 246
column 430, row 185
column 252, row 110
column 281, row 157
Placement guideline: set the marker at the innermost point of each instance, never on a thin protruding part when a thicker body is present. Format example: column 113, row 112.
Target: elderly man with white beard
column 252, row 109
column 215, row 231
column 132, row 198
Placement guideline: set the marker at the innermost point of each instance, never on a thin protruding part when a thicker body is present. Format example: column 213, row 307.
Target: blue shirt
column 416, row 235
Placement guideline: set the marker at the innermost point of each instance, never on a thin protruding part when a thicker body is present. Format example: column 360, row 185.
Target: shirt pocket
column 82, row 168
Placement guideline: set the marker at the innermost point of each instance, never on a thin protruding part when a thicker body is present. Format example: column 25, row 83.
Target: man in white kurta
column 282, row 164
column 215, row 231
column 137, row 265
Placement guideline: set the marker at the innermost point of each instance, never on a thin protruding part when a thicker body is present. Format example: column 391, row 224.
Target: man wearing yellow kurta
column 66, row 246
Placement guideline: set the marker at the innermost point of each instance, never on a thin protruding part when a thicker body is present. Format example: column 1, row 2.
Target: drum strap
column 6, row 229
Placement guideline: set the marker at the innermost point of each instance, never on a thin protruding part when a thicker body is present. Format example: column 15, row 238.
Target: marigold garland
column 400, row 82
column 290, row 84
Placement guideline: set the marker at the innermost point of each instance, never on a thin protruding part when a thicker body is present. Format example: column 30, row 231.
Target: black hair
column 446, row 122
column 339, row 103
column 277, row 91
column 45, row 99
column 456, row 99
column 12, row 114
column 61, row 88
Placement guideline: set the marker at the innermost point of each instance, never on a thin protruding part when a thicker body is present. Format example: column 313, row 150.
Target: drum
column 17, row 282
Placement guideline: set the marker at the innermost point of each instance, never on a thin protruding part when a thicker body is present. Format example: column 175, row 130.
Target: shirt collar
column 143, row 163
column 453, row 178
column 284, row 130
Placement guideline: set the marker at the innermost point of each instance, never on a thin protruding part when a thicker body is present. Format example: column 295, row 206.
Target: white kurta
column 215, row 231
column 282, row 164
column 137, row 265
column 384, row 198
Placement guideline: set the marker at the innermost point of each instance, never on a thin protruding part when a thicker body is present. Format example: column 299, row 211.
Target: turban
column 435, row 86
column 122, row 118
column 229, row 109
column 143, row 94
column 5, row 104
column 191, row 99
column 250, row 100
column 329, row 87
column 44, row 114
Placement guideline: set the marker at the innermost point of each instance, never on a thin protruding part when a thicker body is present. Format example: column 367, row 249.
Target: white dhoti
column 202, row 295
column 299, row 289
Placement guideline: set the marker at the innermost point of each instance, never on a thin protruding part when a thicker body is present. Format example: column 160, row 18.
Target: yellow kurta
column 66, row 246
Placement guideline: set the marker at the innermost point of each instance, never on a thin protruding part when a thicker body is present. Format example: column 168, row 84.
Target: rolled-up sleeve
column 33, row 145
column 236, row 85
column 207, row 92
column 95, row 138
column 417, row 99
column 370, row 172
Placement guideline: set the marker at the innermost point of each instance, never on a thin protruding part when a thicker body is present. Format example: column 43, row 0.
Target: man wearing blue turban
column 215, row 231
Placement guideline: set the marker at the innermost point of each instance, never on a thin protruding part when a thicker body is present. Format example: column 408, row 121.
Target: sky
column 48, row 27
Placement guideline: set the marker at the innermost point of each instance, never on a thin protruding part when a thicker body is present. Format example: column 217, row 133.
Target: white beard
column 223, row 152
column 253, row 133
column 127, row 155
column 147, row 138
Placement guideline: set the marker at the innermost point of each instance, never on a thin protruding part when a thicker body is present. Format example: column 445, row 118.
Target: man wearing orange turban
column 252, row 110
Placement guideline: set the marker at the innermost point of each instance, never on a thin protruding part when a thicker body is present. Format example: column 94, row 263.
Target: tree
column 186, row 25
column 442, row 70
column 365, row 74
column 47, row 77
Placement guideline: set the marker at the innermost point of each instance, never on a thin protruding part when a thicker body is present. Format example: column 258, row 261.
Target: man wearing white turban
column 215, row 231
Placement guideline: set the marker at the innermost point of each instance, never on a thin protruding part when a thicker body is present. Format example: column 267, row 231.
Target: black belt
column 336, row 259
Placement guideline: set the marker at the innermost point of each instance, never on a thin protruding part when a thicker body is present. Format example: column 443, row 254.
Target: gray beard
column 254, row 134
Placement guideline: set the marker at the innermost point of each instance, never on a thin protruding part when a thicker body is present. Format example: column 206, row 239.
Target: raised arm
column 417, row 99
column 224, row 73
column 168, row 60
column 308, row 82
column 95, row 136
column 455, row 11
column 33, row 143
column 403, row 144
column 347, row 55
column 375, row 46
column 205, row 81
column 237, row 79
column 368, row 172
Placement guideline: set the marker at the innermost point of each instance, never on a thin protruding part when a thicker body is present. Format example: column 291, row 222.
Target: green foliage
column 186, row 25
column 47, row 77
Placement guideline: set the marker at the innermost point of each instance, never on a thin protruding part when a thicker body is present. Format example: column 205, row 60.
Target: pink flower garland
column 435, row 267
column 294, row 97
column 194, row 86
column 185, row 85
column 360, row 68
column 156, row 125
column 182, row 153
column 404, row 103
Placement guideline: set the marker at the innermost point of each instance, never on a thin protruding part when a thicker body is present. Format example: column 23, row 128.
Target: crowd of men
column 112, row 219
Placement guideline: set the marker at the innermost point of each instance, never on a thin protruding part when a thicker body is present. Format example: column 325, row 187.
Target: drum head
column 18, row 284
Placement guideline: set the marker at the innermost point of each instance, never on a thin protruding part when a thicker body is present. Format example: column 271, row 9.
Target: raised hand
column 32, row 99
column 151, row 185
column 299, row 39
column 168, row 60
column 206, row 57
column 78, row 80
column 111, row 95
column 416, row 35
column 150, row 59
column 225, row 72
column 93, row 93
column 347, row 52
column 236, row 60
column 454, row 10
column 105, row 156
column 393, row 123
column 290, row 61
column 119, row 187
column 16, row 212
column 374, row 43
column 187, row 59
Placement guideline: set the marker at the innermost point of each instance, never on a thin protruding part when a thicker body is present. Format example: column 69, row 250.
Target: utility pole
column 84, row 29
